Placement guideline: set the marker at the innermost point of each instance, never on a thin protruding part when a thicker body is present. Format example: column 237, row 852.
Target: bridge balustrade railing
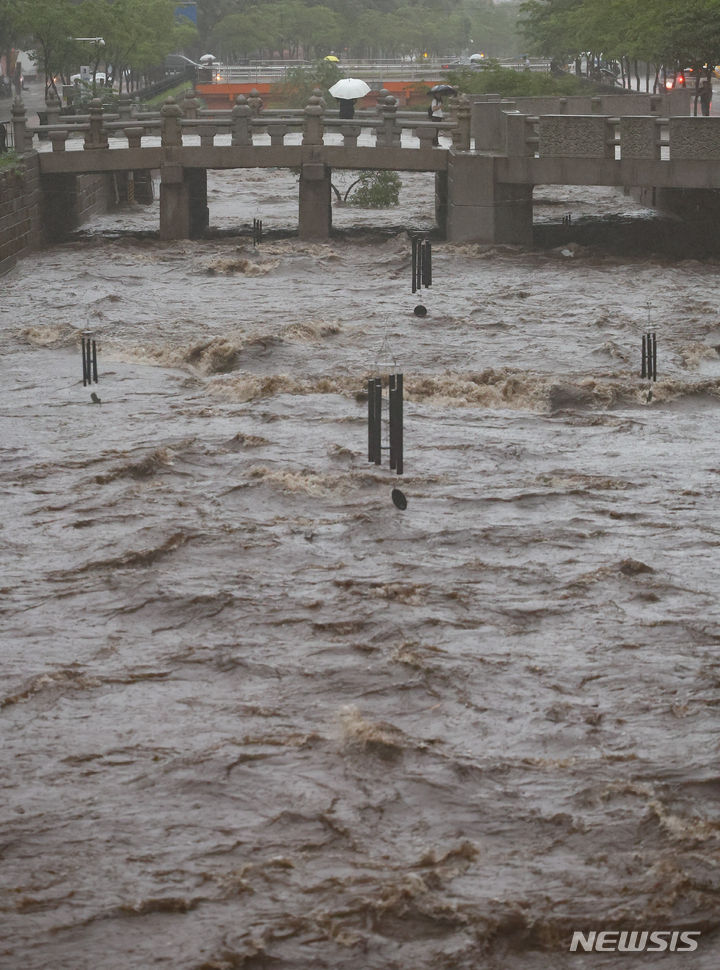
column 602, row 136
column 243, row 123
column 247, row 132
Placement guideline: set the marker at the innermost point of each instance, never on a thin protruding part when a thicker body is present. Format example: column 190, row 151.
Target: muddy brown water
column 253, row 715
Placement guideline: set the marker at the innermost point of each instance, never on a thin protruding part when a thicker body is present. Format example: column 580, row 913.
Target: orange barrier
column 222, row 95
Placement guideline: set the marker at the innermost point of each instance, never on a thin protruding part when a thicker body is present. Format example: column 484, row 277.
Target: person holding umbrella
column 346, row 107
column 435, row 111
column 347, row 91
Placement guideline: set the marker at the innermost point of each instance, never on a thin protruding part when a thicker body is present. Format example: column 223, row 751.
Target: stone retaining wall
column 70, row 200
column 20, row 227
column 33, row 212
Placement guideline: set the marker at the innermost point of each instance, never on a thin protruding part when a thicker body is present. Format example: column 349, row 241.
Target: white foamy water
column 253, row 715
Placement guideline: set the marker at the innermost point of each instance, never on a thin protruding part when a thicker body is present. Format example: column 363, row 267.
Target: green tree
column 10, row 32
column 52, row 28
column 240, row 34
column 302, row 81
column 664, row 34
column 137, row 33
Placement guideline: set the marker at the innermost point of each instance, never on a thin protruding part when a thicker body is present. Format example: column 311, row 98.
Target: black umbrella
column 443, row 89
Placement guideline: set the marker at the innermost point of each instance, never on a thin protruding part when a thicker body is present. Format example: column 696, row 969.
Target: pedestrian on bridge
column 705, row 95
column 347, row 107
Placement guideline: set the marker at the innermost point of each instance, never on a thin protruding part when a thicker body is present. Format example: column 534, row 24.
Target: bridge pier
column 196, row 179
column 482, row 209
column 68, row 200
column 441, row 200
column 699, row 206
column 183, row 202
column 315, row 201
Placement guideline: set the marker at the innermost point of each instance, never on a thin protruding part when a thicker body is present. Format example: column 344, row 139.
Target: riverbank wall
column 34, row 213
column 20, row 212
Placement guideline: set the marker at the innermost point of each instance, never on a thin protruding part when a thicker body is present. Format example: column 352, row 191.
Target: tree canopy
column 661, row 33
column 140, row 32
column 137, row 34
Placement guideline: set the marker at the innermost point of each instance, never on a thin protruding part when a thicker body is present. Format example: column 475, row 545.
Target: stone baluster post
column 241, row 133
column 189, row 105
column 313, row 122
column 255, row 103
column 388, row 134
column 52, row 108
column 124, row 108
column 426, row 137
column 170, row 130
column 58, row 139
column 461, row 137
column 23, row 140
column 95, row 136
column 207, row 136
column 134, row 135
column 351, row 135
column 317, row 93
column 277, row 134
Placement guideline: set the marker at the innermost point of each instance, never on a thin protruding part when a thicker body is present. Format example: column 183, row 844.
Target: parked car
column 100, row 78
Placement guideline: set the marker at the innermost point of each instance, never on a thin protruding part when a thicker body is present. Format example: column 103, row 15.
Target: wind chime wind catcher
column 648, row 366
column 89, row 357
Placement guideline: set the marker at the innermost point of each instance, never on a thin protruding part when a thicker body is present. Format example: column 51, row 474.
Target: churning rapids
column 253, row 715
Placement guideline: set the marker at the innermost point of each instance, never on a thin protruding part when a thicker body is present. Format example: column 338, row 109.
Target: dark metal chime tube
column 89, row 359
column 421, row 263
column 396, row 422
column 653, row 355
column 395, row 414
column 374, row 388
column 86, row 374
column 257, row 231
column 426, row 263
column 643, row 370
column 649, row 356
column 377, row 392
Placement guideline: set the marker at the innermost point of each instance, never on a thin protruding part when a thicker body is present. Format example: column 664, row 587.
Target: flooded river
column 253, row 715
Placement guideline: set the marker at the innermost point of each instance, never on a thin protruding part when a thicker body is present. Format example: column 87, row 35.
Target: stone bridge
column 492, row 154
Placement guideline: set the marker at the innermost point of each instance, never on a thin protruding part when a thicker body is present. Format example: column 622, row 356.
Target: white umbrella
column 349, row 88
column 207, row 58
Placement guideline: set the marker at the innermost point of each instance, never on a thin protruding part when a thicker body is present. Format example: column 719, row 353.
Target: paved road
column 34, row 99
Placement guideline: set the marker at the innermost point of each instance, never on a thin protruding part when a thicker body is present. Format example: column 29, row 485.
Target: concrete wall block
column 487, row 126
column 517, row 131
column 695, row 138
column 19, row 212
column 174, row 210
column 574, row 137
column 314, row 201
column 470, row 224
column 471, row 179
column 677, row 102
column 639, row 137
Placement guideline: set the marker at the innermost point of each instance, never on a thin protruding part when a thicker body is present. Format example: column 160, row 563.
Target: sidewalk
column 33, row 99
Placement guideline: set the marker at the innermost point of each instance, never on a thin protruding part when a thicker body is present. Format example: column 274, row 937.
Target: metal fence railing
column 406, row 70
column 7, row 141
